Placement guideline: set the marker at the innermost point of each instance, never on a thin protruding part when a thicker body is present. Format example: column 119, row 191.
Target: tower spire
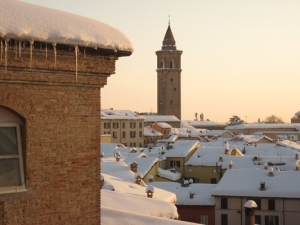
column 169, row 41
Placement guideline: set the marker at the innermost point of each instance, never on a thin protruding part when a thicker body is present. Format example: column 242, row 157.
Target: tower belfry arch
column 169, row 76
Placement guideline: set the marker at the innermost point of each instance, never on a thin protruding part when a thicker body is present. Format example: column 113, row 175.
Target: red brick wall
column 62, row 150
column 191, row 213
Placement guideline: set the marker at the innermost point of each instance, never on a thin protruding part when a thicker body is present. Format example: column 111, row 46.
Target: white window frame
column 204, row 219
column 10, row 189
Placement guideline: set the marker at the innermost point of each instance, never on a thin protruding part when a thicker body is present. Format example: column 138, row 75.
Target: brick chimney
column 250, row 212
column 150, row 191
column 138, row 178
column 134, row 166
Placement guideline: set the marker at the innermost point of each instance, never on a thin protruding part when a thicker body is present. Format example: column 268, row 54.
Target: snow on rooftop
column 202, row 193
column 150, row 132
column 182, row 148
column 200, row 123
column 144, row 164
column 129, row 187
column 168, row 174
column 247, row 183
column 24, row 21
column 110, row 216
column 120, row 114
column 161, row 118
column 164, row 125
column 262, row 126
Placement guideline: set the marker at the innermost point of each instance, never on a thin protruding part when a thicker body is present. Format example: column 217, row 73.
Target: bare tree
column 273, row 119
column 234, row 120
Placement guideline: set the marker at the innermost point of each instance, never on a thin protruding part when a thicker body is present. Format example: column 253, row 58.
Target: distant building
column 169, row 77
column 169, row 119
column 296, row 118
column 124, row 126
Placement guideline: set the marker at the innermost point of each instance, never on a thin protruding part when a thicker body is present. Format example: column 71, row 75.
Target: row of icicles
column 5, row 46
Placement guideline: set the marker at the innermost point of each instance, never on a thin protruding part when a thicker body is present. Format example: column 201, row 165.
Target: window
column 106, row 132
column 174, row 163
column 172, row 64
column 132, row 124
column 115, row 125
column 175, row 89
column 114, row 134
column 124, row 134
column 141, row 125
column 257, row 219
column 224, row 219
column 271, row 220
column 171, row 102
column 140, row 134
column 123, row 125
column 213, row 180
column 11, row 160
column 162, row 64
column 132, row 134
column 204, row 219
column 171, row 79
column 190, row 170
column 106, row 125
column 224, row 203
column 271, row 204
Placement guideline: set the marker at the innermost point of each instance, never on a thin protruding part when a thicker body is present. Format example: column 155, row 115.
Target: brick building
column 50, row 116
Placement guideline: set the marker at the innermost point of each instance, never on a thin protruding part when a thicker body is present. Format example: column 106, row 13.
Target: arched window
column 11, row 152
column 162, row 64
column 172, row 63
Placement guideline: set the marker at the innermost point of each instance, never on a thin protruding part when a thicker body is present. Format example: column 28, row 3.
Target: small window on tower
column 171, row 79
column 171, row 102
column 162, row 64
column 175, row 89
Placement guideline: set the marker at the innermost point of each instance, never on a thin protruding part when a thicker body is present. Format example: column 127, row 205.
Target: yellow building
column 124, row 126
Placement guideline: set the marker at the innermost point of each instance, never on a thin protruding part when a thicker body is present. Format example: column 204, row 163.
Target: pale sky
column 239, row 57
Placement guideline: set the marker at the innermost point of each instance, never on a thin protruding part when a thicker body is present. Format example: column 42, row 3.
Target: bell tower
column 169, row 77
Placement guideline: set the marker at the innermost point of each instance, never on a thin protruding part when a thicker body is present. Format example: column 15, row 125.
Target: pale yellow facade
column 129, row 132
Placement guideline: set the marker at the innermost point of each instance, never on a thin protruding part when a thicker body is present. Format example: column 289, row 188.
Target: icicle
column 46, row 51
column 20, row 49
column 5, row 49
column 1, row 50
column 54, row 48
column 76, row 57
column 31, row 47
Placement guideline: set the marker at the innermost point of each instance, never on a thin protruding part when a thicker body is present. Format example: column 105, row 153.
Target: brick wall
column 62, row 133
column 193, row 213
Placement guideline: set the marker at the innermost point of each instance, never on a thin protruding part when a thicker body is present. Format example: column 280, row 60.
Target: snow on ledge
column 24, row 21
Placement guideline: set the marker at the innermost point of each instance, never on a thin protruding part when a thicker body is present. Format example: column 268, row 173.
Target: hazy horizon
column 239, row 58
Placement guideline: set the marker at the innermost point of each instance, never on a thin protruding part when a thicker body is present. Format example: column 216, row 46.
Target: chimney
column 150, row 191
column 266, row 166
column 138, row 178
column 186, row 183
column 118, row 158
column 262, row 185
column 191, row 194
column 271, row 173
column 296, row 156
column 226, row 151
column 134, row 166
column 102, row 155
column 220, row 159
column 150, row 177
column 250, row 212
column 230, row 165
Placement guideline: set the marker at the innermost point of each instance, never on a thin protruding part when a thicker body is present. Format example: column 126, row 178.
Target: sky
column 239, row 57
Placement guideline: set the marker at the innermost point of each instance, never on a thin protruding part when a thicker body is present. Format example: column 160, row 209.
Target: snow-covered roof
column 247, row 183
column 161, row 118
column 129, row 187
column 174, row 176
column 150, row 132
column 164, row 125
column 144, row 164
column 24, row 21
column 111, row 216
column 205, row 123
column 202, row 193
column 261, row 126
column 120, row 114
column 136, row 204
column 182, row 148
